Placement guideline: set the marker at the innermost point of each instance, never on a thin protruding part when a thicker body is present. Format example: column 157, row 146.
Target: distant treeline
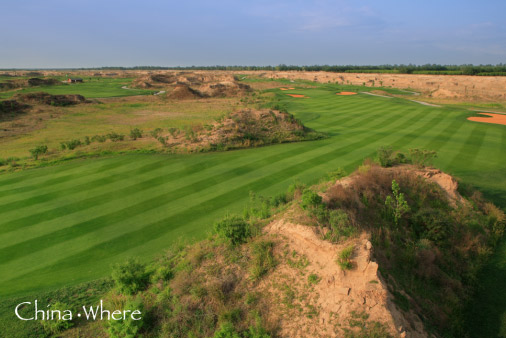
column 433, row 69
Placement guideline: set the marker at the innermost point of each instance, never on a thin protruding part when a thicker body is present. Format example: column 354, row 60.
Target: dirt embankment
column 185, row 85
column 484, row 88
column 49, row 99
column 241, row 129
column 33, row 82
column 340, row 301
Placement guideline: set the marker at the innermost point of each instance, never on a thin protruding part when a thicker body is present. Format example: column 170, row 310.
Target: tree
column 397, row 204
column 38, row 151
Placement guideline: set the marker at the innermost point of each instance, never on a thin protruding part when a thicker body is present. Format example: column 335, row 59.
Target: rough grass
column 68, row 223
column 118, row 115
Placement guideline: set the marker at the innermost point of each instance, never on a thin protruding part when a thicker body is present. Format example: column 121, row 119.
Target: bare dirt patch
column 184, row 92
column 311, row 296
column 491, row 118
column 297, row 95
column 290, row 88
column 346, row 93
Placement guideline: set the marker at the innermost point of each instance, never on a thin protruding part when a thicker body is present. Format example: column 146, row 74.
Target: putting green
column 68, row 223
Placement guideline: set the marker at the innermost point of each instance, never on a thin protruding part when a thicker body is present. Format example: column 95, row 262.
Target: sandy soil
column 329, row 307
column 492, row 118
column 296, row 95
column 346, row 93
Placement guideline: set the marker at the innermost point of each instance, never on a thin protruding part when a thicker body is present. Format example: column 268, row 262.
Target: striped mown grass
column 68, row 223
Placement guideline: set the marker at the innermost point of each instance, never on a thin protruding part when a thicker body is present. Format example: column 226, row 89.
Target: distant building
column 74, row 79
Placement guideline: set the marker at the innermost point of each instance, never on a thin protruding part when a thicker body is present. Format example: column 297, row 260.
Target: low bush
column 99, row 138
column 337, row 174
column 59, row 323
column 135, row 134
column 115, row 137
column 234, row 229
column 130, row 276
column 70, row 145
column 39, row 150
column 156, row 132
column 128, row 328
column 310, row 199
column 339, row 226
column 422, row 157
column 344, row 258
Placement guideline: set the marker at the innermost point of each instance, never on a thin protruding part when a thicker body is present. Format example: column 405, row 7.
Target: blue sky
column 88, row 33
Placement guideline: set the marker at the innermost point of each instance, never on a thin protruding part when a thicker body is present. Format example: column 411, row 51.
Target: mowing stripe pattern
column 69, row 223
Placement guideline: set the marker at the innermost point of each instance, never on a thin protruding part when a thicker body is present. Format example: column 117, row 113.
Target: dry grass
column 51, row 125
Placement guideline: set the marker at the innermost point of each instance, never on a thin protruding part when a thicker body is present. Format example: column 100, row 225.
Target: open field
column 68, row 223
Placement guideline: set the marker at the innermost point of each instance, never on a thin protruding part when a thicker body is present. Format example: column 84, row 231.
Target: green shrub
column 128, row 328
column 337, row 174
column 3, row 162
column 344, row 258
column 397, row 204
column 385, row 156
column 39, row 150
column 226, row 330
column 130, row 276
column 310, row 199
column 99, row 138
column 340, row 226
column 422, row 157
column 57, row 324
column 115, row 137
column 233, row 228
column 162, row 140
column 135, row 134
column 72, row 144
column 156, row 132
column 87, row 140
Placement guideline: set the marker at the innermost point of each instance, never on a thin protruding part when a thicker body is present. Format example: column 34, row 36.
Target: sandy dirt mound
column 42, row 82
column 167, row 79
column 340, row 300
column 225, row 89
column 242, row 129
column 297, row 95
column 11, row 108
column 48, row 99
column 346, row 93
column 184, row 92
column 492, row 118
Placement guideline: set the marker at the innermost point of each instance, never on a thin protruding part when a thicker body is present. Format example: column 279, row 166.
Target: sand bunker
column 297, row 95
column 287, row 88
column 346, row 93
column 492, row 118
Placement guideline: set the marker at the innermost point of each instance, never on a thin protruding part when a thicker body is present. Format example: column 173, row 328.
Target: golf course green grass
column 92, row 87
column 68, row 223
